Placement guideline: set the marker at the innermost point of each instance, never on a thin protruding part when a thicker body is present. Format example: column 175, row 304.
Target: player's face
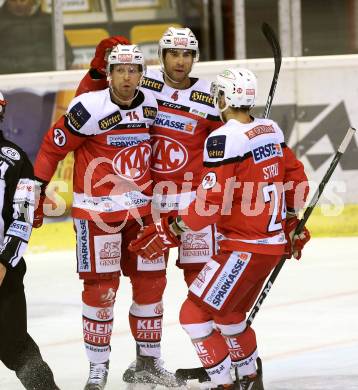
column 178, row 64
column 221, row 105
column 125, row 79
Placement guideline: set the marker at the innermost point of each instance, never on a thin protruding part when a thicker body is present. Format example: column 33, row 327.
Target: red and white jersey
column 250, row 178
column 112, row 150
column 185, row 118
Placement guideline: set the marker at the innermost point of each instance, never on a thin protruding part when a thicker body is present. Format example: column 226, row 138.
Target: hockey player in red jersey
column 252, row 188
column 108, row 131
column 186, row 115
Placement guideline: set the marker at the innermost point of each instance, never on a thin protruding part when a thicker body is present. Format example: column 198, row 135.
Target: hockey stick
column 276, row 49
column 342, row 148
column 199, row 372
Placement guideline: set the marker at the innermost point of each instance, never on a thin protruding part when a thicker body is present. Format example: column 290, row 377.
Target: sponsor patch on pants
column 157, row 264
column 197, row 247
column 226, row 280
column 204, row 277
column 107, row 250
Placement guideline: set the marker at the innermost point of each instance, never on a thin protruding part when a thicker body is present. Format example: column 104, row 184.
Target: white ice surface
column 307, row 329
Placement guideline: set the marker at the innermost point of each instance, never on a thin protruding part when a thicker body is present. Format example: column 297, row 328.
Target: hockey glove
column 295, row 243
column 40, row 188
column 99, row 62
column 154, row 240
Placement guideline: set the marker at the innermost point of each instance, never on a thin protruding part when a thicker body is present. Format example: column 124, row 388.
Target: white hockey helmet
column 125, row 54
column 239, row 86
column 178, row 38
column 3, row 104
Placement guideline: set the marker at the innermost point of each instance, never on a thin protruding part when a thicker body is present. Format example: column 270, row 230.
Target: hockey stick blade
column 276, row 50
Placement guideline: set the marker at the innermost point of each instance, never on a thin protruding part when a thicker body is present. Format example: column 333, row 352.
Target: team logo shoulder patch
column 215, row 146
column 209, row 181
column 154, row 85
column 202, row 97
column 149, row 112
column 110, row 121
column 11, row 153
column 59, row 137
column 78, row 116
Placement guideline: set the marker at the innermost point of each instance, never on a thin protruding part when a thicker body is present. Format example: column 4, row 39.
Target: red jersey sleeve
column 295, row 181
column 57, row 142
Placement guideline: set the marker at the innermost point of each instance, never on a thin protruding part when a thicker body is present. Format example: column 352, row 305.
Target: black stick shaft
column 276, row 49
column 342, row 148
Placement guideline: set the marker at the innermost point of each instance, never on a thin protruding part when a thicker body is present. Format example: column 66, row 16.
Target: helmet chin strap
column 121, row 99
column 162, row 66
column 221, row 110
column 166, row 75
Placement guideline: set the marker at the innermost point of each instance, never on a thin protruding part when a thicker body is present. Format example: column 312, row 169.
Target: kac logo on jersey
column 265, row 152
column 168, row 154
column 132, row 163
column 175, row 122
column 110, row 121
column 78, row 116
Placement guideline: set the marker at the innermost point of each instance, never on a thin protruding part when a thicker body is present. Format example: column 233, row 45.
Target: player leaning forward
column 108, row 131
column 252, row 188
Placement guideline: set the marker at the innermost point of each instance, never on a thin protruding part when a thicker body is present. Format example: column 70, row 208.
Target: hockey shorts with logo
column 104, row 250
column 231, row 281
